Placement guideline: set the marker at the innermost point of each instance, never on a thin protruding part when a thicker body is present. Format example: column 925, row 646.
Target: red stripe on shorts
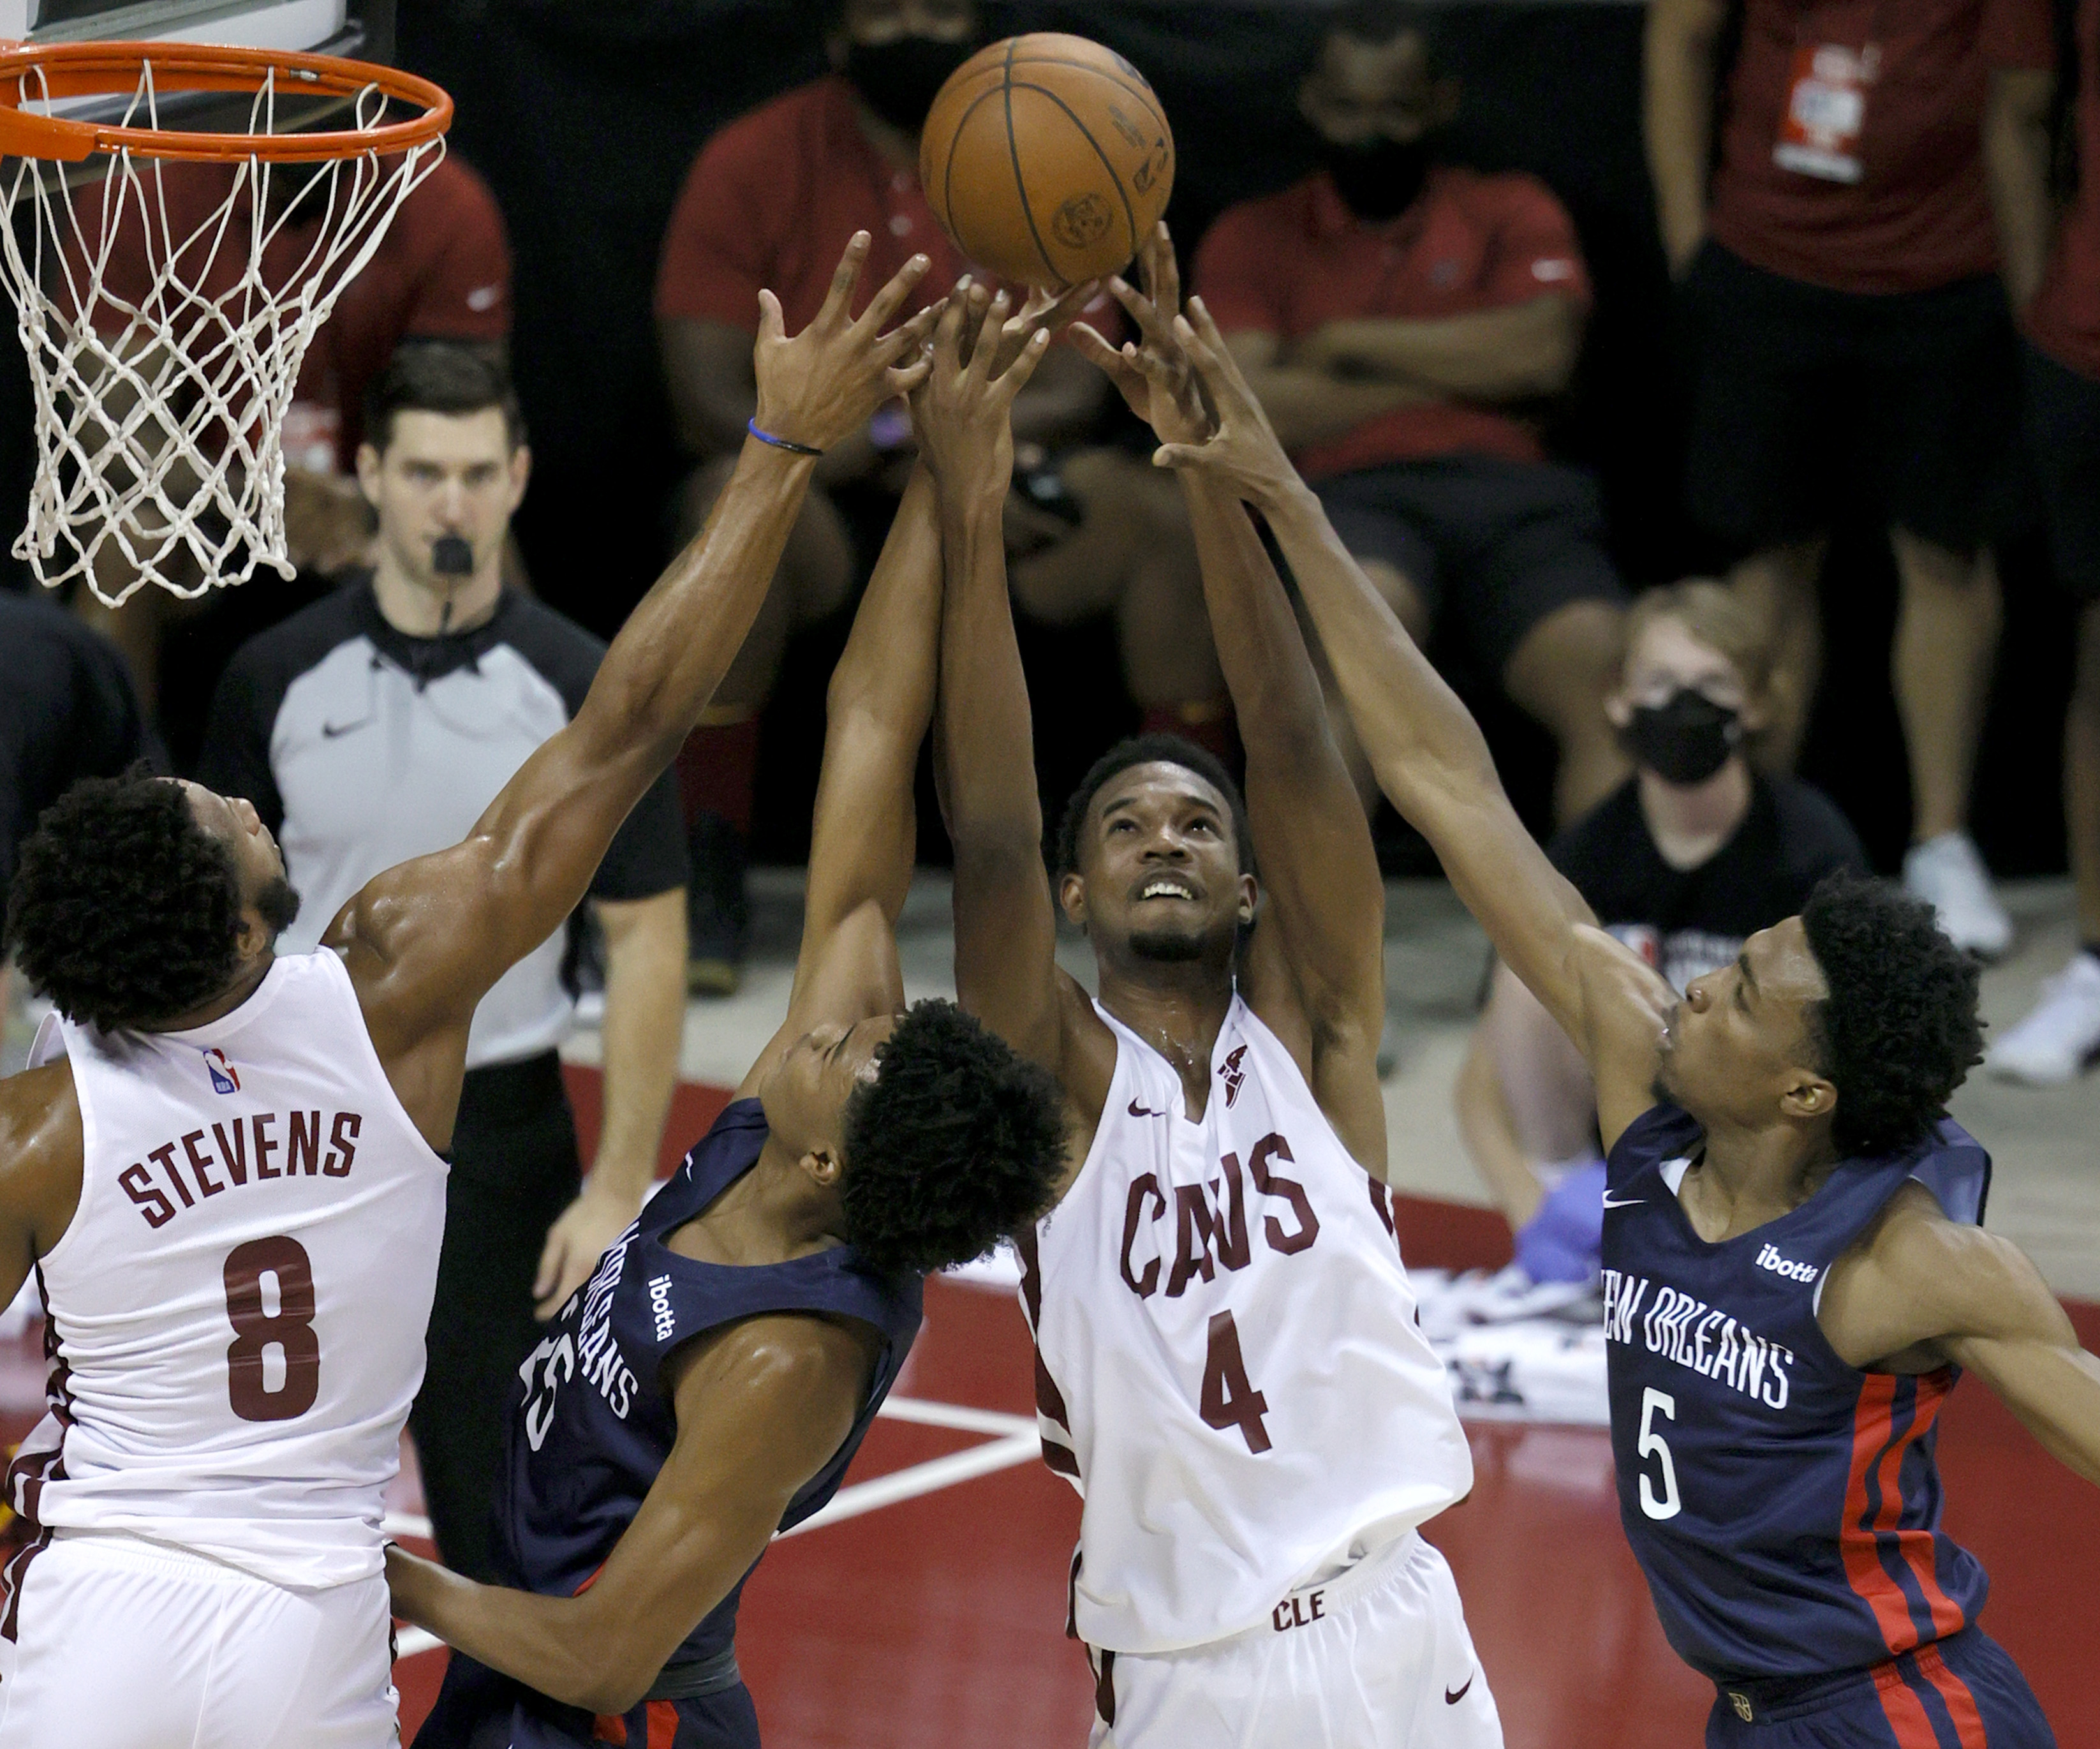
column 1961, row 1704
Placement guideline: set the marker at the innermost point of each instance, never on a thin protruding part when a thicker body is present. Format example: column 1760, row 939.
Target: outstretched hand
column 1153, row 373
column 1043, row 313
column 963, row 408
column 1242, row 452
column 822, row 386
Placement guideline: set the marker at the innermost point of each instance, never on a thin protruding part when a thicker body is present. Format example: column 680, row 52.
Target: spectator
column 67, row 711
column 771, row 202
column 442, row 272
column 1401, row 320
column 376, row 725
column 1693, row 854
column 1851, row 345
column 2061, row 1034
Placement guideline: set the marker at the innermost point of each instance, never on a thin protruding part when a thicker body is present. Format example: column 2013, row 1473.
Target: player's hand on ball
column 963, row 409
column 1153, row 373
column 1043, row 312
column 820, row 386
column 1242, row 452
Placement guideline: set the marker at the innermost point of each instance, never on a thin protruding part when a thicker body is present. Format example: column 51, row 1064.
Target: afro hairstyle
column 958, row 1142
column 1899, row 1031
column 1151, row 749
column 125, row 911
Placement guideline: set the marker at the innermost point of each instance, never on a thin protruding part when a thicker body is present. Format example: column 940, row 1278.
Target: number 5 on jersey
column 1229, row 1400
column 1665, row 1504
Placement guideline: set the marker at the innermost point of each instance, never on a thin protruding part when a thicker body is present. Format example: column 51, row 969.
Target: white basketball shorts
column 1376, row 1659
column 126, row 1644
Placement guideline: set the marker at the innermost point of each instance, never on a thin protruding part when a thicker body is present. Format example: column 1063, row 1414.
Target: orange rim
column 31, row 75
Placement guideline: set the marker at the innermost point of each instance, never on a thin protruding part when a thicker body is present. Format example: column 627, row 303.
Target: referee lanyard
column 1820, row 132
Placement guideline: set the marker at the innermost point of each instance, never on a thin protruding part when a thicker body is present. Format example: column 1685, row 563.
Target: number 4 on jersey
column 1229, row 1400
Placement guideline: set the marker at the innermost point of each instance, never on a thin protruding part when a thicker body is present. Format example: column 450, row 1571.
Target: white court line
column 922, row 1478
column 1016, row 1442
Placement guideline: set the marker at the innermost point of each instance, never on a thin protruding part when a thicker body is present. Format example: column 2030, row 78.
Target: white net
column 166, row 309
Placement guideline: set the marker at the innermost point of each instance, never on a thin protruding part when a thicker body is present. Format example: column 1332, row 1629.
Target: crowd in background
column 1881, row 226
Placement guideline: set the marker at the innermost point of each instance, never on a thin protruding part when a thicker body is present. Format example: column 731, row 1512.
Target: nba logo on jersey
column 225, row 1079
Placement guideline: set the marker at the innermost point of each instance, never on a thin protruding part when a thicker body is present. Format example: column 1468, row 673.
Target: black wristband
column 751, row 425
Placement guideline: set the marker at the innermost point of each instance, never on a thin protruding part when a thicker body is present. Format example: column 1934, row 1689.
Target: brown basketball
column 1047, row 160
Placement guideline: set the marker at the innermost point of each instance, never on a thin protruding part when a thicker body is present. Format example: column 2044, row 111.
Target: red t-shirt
column 2065, row 320
column 1919, row 216
column 442, row 272
column 773, row 199
column 771, row 202
column 1294, row 261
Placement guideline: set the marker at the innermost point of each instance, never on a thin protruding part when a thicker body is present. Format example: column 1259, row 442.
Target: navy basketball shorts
column 478, row 1708
column 1963, row 1693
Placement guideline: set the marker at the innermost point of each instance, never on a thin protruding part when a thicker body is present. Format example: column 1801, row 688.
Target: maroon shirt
column 1920, row 214
column 1292, row 262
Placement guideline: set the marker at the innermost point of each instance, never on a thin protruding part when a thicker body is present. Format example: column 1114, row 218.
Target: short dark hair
column 1151, row 749
column 1899, row 1031
column 958, row 1142
column 439, row 376
column 125, row 911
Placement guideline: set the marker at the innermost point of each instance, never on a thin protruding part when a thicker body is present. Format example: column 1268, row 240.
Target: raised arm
column 1431, row 760
column 864, row 837
column 1006, row 928
column 1316, row 968
column 424, row 941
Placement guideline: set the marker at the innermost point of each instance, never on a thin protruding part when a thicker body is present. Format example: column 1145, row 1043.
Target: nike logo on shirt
column 330, row 731
column 1139, row 1110
column 1451, row 1699
column 1621, row 1202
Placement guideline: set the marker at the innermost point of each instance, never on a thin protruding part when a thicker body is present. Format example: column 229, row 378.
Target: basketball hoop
column 159, row 406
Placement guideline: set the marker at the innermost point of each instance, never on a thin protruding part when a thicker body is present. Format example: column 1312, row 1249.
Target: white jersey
column 1229, row 1369
column 237, row 1312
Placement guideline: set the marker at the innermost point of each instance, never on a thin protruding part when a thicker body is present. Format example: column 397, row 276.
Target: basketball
column 1047, row 160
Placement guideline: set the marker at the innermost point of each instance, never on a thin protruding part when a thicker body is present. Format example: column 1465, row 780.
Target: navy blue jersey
column 1783, row 1505
column 593, row 1420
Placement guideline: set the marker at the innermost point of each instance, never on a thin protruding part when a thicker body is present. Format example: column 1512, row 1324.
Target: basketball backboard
column 326, row 27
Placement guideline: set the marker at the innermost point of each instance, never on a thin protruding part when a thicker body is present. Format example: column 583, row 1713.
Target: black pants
column 514, row 1170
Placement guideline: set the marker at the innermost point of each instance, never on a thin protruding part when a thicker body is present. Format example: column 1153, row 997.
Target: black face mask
column 899, row 80
column 1377, row 178
column 1685, row 740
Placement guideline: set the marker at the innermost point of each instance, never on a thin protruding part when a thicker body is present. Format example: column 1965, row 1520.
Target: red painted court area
column 940, row 1619
column 929, row 1607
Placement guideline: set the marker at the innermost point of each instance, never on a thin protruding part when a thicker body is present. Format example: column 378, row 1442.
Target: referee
column 376, row 725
